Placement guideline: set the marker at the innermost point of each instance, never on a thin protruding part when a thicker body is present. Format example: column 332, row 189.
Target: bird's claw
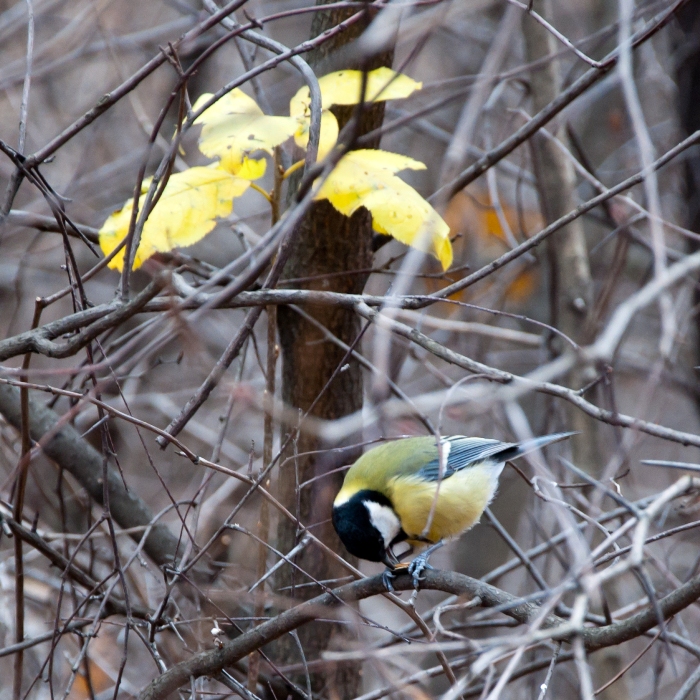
column 417, row 567
column 387, row 576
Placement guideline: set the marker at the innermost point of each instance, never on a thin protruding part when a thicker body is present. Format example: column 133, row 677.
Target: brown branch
column 40, row 340
column 527, row 384
column 62, row 444
column 114, row 605
column 212, row 662
column 127, row 86
column 581, row 209
column 552, row 109
column 17, row 217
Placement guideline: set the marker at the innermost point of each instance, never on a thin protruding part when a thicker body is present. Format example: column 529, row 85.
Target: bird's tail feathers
column 537, row 443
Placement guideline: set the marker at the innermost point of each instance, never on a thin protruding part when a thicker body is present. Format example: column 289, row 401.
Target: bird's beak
column 389, row 559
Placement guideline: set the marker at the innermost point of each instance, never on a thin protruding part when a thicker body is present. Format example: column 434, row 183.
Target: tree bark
column 317, row 377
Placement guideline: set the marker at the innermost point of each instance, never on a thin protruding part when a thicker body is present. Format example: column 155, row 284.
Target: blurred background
column 486, row 69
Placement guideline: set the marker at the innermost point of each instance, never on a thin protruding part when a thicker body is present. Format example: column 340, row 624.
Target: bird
column 422, row 491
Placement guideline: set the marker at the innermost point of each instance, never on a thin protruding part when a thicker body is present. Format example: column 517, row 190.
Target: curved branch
column 63, row 445
column 70, row 568
column 300, row 64
column 583, row 208
column 516, row 383
column 543, row 117
column 102, row 318
column 212, row 662
column 111, row 98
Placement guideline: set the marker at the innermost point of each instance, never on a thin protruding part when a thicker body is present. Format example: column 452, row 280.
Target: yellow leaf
column 366, row 178
column 250, row 169
column 234, row 127
column 329, row 133
column 344, row 87
column 186, row 212
column 360, row 172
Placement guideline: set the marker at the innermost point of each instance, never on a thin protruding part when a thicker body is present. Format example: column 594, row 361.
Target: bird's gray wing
column 462, row 453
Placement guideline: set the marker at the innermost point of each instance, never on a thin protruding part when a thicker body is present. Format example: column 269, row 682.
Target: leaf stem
column 292, row 169
column 265, row 194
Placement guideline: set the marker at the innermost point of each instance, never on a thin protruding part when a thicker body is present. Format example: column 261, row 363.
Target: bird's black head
column 367, row 525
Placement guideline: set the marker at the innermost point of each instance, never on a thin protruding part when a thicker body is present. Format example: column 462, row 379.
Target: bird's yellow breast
column 461, row 500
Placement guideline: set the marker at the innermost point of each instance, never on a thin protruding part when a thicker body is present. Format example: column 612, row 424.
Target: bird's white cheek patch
column 384, row 519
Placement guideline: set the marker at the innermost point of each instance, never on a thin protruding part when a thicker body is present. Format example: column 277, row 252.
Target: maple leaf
column 344, row 87
column 186, row 212
column 329, row 133
column 367, row 178
column 234, row 127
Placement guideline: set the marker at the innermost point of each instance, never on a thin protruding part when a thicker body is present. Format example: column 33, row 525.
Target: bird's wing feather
column 464, row 452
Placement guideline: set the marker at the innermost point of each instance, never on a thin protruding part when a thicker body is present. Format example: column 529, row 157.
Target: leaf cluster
column 237, row 133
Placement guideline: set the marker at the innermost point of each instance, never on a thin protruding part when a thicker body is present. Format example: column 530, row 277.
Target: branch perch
column 211, row 662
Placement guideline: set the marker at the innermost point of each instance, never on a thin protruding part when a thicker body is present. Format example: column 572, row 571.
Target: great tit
column 410, row 491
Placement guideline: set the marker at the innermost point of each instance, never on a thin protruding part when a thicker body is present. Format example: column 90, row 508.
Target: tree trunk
column 329, row 243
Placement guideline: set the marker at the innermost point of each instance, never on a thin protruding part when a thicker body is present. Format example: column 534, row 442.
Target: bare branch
column 211, row 662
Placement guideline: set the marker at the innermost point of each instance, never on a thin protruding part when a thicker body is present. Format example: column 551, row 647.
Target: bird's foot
column 420, row 564
column 390, row 574
column 417, row 567
column 387, row 578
